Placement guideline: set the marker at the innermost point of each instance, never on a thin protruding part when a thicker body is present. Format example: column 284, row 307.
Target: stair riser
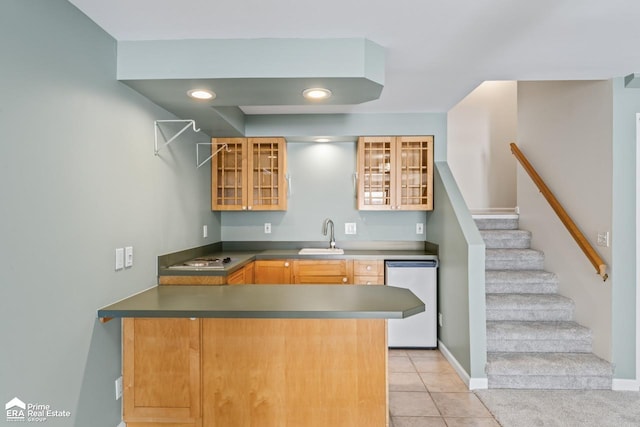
column 532, row 263
column 539, row 346
column 530, row 315
column 550, row 382
column 507, row 243
column 507, row 239
column 497, row 224
column 521, row 288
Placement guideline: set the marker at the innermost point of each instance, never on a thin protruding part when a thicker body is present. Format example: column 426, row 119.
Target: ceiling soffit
column 251, row 72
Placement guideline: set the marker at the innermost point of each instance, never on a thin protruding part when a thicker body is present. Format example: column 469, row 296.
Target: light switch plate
column 267, row 228
column 349, row 228
column 119, row 258
column 419, row 228
column 128, row 256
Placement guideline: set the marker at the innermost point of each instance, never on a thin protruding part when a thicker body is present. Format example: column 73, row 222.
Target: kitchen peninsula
column 258, row 355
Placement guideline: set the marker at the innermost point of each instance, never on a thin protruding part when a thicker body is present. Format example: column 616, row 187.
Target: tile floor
column 425, row 391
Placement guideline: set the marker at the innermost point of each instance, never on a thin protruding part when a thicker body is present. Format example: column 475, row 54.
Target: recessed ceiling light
column 316, row 93
column 202, row 94
column 322, row 139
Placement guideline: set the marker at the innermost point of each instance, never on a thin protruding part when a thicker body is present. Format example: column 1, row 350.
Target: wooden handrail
column 573, row 229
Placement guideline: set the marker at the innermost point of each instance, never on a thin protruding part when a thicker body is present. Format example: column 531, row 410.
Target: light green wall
column 322, row 186
column 626, row 103
column 461, row 296
column 79, row 180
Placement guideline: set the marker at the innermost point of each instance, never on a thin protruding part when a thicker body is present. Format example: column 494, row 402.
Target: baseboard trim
column 472, row 383
column 625, row 385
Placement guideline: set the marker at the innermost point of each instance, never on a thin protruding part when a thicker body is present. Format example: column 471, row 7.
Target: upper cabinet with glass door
column 250, row 175
column 395, row 173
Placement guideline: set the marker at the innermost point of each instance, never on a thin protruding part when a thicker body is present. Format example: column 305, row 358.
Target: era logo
column 15, row 409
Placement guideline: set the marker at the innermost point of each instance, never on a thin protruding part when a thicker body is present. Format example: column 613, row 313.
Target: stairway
column 532, row 340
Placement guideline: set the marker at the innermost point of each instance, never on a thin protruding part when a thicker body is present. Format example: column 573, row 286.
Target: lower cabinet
column 272, row 271
column 255, row 372
column 244, row 276
column 161, row 372
column 368, row 272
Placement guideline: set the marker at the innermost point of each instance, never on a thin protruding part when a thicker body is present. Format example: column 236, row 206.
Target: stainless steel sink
column 321, row 251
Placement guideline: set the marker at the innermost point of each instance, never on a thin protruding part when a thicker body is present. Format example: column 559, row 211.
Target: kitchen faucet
column 332, row 242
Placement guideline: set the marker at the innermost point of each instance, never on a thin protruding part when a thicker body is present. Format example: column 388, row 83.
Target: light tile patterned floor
column 425, row 391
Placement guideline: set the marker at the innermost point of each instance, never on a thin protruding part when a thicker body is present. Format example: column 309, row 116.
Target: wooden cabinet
column 395, row 173
column 368, row 272
column 249, row 175
column 337, row 272
column 161, row 372
column 272, row 271
column 255, row 372
column 242, row 276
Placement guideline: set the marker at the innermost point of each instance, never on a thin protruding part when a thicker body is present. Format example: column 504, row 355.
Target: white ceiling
column 437, row 51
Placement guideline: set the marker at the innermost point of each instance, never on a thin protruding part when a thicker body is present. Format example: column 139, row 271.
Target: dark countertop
column 269, row 302
column 242, row 253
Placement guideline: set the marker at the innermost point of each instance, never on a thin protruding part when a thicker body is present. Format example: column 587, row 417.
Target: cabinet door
column 266, row 179
column 228, row 174
column 376, row 177
column 243, row 276
column 414, row 188
column 272, row 272
column 161, row 371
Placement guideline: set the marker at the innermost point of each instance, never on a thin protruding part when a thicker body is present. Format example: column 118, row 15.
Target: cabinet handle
column 250, row 207
column 368, row 283
column 286, row 264
column 244, row 208
column 368, row 268
column 344, row 280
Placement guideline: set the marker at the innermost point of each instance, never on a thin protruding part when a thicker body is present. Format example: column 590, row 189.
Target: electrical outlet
column 205, row 231
column 350, row 228
column 419, row 228
column 267, row 228
column 603, row 239
column 119, row 388
column 128, row 256
column 119, row 258
column 440, row 319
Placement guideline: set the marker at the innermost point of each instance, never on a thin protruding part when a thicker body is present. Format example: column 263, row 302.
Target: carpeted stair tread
column 513, row 259
column 506, row 239
column 548, row 364
column 520, row 281
column 531, row 307
column 538, row 336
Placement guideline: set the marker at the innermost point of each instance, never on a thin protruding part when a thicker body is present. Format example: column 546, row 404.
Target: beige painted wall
column 480, row 129
column 565, row 130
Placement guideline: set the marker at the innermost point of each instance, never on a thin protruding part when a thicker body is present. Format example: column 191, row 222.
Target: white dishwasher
column 419, row 330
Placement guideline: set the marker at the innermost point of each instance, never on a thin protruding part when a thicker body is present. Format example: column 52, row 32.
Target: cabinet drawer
column 368, row 267
column 315, row 267
column 368, row 280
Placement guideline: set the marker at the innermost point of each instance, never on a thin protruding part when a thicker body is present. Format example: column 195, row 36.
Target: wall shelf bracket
column 189, row 123
column 222, row 147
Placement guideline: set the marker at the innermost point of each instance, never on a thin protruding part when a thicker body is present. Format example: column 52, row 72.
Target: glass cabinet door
column 415, row 169
column 228, row 180
column 376, row 180
column 266, row 174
